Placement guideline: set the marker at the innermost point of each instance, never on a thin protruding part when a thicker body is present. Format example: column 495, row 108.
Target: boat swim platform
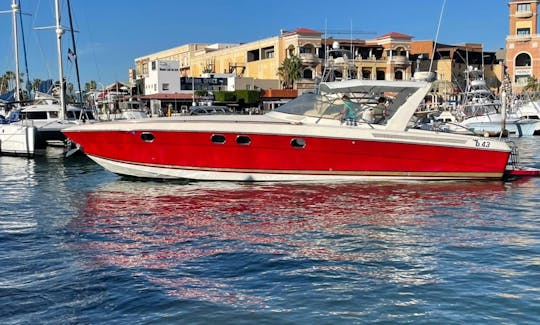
column 522, row 172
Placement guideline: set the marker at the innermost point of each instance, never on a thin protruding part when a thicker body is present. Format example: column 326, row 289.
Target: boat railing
column 443, row 126
column 27, row 122
column 513, row 161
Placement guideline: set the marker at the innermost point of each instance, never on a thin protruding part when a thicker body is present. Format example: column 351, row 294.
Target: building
column 450, row 62
column 522, row 43
column 385, row 57
column 163, row 77
column 254, row 65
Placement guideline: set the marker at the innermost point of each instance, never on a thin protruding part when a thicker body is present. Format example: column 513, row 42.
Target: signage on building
column 523, row 72
column 166, row 66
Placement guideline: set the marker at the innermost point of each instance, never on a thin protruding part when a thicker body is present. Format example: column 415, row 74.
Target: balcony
column 520, row 38
column 398, row 60
column 524, row 14
column 309, row 58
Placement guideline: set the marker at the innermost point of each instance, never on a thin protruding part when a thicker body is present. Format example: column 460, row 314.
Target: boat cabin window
column 243, row 140
column 76, row 115
column 147, row 137
column 34, row 115
column 298, row 143
column 218, row 138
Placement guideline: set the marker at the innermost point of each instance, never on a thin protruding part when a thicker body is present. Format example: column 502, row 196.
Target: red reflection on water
column 161, row 226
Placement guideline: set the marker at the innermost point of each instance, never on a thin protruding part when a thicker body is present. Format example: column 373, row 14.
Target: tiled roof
column 394, row 35
column 303, row 30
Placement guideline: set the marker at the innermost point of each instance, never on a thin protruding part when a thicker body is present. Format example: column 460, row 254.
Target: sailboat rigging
column 74, row 51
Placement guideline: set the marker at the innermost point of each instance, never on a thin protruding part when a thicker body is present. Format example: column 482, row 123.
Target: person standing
column 348, row 113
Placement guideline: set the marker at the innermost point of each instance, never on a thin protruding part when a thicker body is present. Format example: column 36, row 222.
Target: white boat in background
column 45, row 116
column 303, row 140
column 491, row 124
column 529, row 110
column 17, row 140
column 127, row 110
column 484, row 113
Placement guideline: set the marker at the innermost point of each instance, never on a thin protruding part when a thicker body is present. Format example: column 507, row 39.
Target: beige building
column 385, row 57
column 392, row 56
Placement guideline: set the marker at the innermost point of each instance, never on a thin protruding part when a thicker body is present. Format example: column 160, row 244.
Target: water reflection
column 148, row 227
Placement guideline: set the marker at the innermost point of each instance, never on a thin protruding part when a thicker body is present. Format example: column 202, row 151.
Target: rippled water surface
column 83, row 246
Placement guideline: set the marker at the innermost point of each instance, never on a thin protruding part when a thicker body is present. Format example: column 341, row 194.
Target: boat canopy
column 403, row 98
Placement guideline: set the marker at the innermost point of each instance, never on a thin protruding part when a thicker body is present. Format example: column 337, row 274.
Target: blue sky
column 112, row 33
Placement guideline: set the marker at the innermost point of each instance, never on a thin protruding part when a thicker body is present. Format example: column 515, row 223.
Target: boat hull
column 263, row 152
column 492, row 125
column 17, row 140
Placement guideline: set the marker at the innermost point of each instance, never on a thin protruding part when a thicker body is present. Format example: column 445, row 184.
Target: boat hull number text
column 482, row 143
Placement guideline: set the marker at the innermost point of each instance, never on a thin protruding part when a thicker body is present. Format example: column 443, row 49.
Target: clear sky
column 112, row 33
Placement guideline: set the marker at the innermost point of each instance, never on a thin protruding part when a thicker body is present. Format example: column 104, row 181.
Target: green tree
column 89, row 86
column 3, row 84
column 70, row 95
column 532, row 84
column 290, row 71
column 7, row 81
column 35, row 84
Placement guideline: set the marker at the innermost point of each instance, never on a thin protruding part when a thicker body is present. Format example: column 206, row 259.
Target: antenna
column 436, row 37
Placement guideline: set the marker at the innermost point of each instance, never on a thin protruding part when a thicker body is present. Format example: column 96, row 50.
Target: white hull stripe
column 174, row 172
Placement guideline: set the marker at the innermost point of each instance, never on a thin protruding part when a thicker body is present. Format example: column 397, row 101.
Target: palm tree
column 3, row 84
column 6, row 81
column 290, row 71
column 532, row 84
column 89, row 86
column 10, row 77
column 35, row 84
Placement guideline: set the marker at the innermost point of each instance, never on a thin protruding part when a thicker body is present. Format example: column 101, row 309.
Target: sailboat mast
column 74, row 51
column 15, row 10
column 59, row 33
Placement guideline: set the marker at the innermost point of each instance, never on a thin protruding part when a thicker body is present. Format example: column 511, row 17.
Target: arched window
column 398, row 75
column 380, row 75
column 290, row 50
column 400, row 51
column 308, row 48
column 523, row 60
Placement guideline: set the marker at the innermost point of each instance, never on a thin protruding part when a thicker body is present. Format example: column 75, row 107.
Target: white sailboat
column 50, row 115
column 17, row 138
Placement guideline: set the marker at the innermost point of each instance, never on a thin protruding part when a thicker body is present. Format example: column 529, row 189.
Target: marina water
column 83, row 246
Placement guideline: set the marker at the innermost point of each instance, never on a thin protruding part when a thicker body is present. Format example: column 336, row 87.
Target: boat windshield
column 329, row 104
column 311, row 104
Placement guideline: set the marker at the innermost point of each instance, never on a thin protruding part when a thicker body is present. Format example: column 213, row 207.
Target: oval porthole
column 218, row 138
column 298, row 143
column 243, row 140
column 147, row 137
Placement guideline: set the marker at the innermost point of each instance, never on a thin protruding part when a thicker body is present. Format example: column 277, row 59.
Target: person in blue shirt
column 348, row 113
